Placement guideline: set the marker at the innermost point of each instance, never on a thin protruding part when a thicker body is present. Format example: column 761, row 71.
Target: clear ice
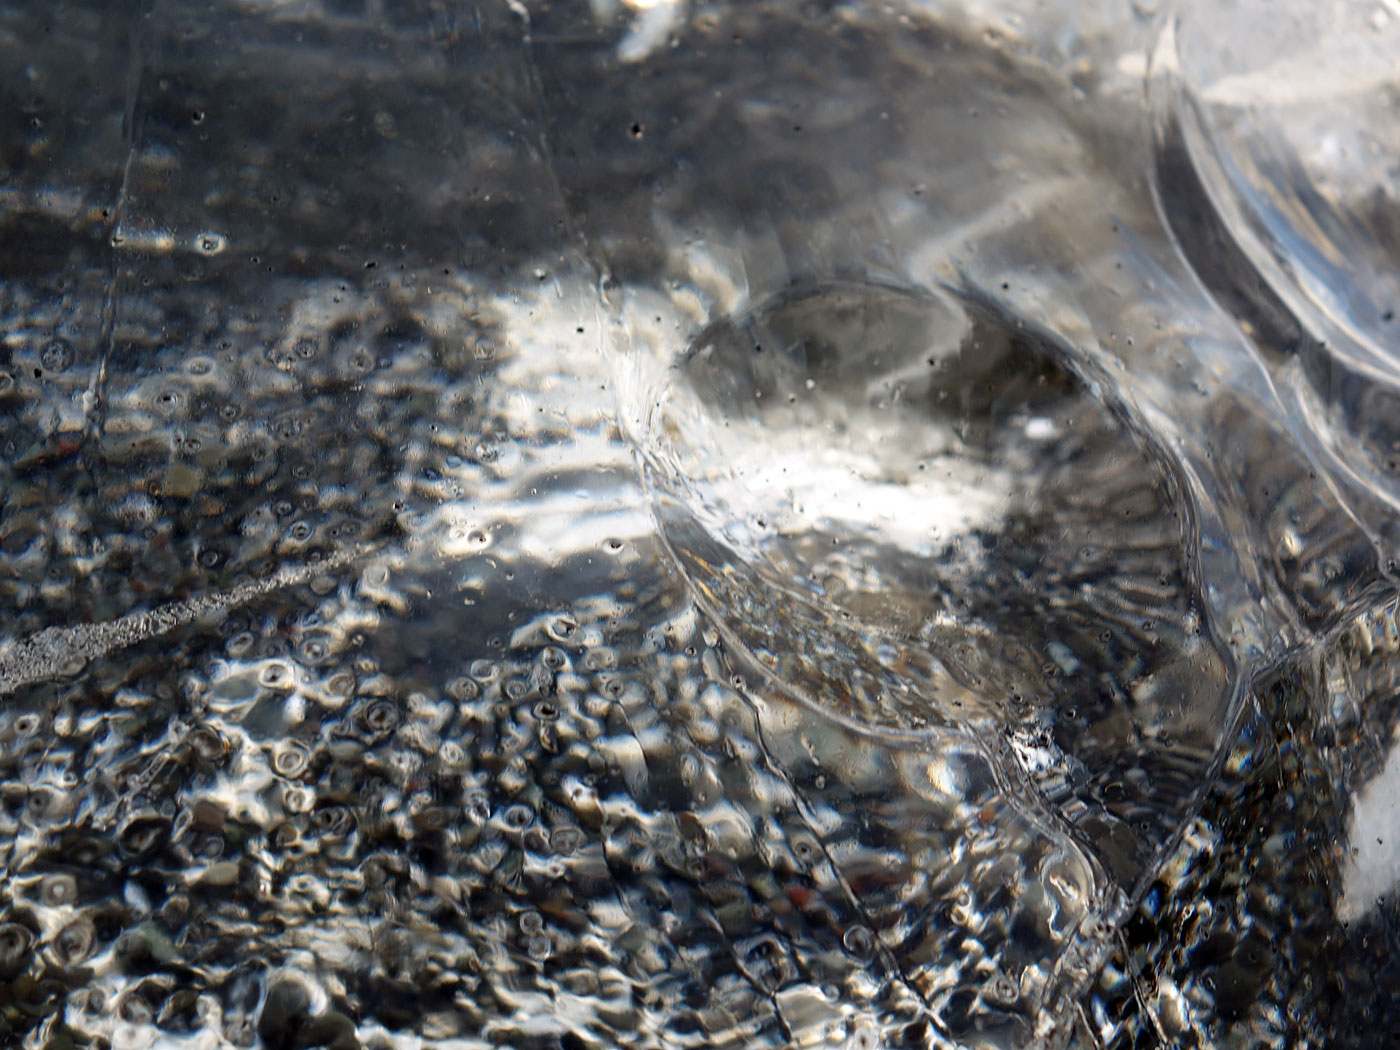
column 699, row 524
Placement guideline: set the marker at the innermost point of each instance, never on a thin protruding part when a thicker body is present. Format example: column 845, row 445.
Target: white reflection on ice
column 1372, row 866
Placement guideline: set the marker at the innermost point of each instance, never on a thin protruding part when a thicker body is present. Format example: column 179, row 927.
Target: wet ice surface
column 706, row 526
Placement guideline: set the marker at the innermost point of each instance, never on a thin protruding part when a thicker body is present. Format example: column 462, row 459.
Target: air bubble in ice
column 859, row 942
column 57, row 355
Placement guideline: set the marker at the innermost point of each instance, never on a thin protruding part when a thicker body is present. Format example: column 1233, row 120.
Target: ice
column 698, row 524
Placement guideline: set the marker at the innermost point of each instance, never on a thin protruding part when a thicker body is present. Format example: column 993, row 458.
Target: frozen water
column 671, row 524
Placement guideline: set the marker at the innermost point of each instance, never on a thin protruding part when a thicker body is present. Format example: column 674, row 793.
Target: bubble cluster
column 577, row 794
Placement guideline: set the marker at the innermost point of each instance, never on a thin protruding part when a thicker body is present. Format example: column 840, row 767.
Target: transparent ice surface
column 671, row 524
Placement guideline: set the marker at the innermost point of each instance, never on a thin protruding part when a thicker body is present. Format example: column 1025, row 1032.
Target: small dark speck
column 580, row 331
column 371, row 265
column 797, row 127
column 1388, row 316
column 635, row 131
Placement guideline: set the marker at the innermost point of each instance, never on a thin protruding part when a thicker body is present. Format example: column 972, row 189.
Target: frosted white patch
column 795, row 489
column 1132, row 65
column 655, row 22
column 556, row 378
column 1064, row 656
column 1289, row 82
column 1372, row 867
column 1305, row 53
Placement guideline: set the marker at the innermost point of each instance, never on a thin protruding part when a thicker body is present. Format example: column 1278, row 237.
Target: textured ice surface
column 668, row 524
